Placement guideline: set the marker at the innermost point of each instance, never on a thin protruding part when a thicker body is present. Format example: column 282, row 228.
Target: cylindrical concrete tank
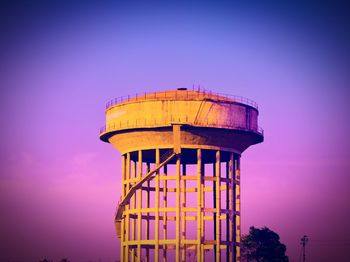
column 180, row 173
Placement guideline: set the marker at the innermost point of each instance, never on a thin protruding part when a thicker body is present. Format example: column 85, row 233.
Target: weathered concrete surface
column 199, row 128
column 137, row 123
column 191, row 137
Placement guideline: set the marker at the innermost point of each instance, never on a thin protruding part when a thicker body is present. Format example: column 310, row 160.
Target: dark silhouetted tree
column 262, row 245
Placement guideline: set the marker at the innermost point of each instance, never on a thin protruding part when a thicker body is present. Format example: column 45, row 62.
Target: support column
column 122, row 236
column 183, row 213
column 199, row 206
column 214, row 206
column 202, row 211
column 165, row 236
column 156, row 227
column 228, row 215
column 218, row 206
column 147, row 206
column 177, row 207
column 238, row 208
column 133, row 223
column 232, row 209
column 139, row 206
column 127, row 215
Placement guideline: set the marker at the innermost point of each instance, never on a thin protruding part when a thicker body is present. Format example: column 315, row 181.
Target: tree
column 262, row 245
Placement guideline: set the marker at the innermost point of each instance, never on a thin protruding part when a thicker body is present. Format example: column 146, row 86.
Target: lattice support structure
column 180, row 195
column 190, row 211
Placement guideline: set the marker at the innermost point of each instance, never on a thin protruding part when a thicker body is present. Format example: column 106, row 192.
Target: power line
column 328, row 241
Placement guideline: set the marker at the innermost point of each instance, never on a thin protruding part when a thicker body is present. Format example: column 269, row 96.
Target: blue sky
column 61, row 61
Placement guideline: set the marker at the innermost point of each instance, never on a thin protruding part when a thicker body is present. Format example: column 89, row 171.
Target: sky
column 61, row 61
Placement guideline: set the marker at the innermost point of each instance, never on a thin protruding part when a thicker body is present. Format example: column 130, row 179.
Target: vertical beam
column 147, row 206
column 139, row 206
column 228, row 215
column 156, row 228
column 202, row 211
column 127, row 216
column 165, row 236
column 238, row 208
column 177, row 138
column 214, row 206
column 133, row 206
column 177, row 208
column 199, row 205
column 122, row 249
column 218, row 206
column 232, row 209
column 183, row 213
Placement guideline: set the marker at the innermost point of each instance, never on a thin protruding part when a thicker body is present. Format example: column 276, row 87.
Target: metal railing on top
column 158, row 123
column 190, row 94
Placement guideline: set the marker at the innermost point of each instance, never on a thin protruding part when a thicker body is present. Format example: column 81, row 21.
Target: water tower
column 180, row 177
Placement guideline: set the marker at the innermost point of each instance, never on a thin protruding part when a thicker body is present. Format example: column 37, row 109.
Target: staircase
column 165, row 158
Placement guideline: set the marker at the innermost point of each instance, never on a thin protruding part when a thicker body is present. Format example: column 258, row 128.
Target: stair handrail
column 149, row 176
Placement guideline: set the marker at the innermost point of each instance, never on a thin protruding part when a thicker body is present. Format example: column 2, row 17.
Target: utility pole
column 303, row 242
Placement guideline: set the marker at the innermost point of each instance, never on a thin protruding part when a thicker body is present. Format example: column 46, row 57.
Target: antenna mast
column 303, row 242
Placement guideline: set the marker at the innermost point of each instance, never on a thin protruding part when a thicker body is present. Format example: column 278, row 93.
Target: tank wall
column 193, row 112
column 151, row 112
column 253, row 120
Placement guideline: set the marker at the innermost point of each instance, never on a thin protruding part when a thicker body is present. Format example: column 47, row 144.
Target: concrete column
column 165, row 236
column 199, row 205
column 127, row 215
column 214, row 206
column 202, row 212
column 147, row 206
column 177, row 207
column 183, row 213
column 228, row 215
column 122, row 236
column 232, row 228
column 133, row 206
column 139, row 206
column 156, row 226
column 218, row 206
column 238, row 208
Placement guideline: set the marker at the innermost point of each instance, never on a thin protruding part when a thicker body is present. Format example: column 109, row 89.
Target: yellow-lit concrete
column 168, row 140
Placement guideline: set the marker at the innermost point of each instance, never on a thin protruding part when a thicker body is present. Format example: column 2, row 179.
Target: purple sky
column 60, row 63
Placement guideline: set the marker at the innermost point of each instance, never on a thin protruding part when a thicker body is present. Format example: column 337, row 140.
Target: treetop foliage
column 262, row 245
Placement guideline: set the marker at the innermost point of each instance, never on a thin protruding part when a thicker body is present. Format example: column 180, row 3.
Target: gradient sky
column 61, row 61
